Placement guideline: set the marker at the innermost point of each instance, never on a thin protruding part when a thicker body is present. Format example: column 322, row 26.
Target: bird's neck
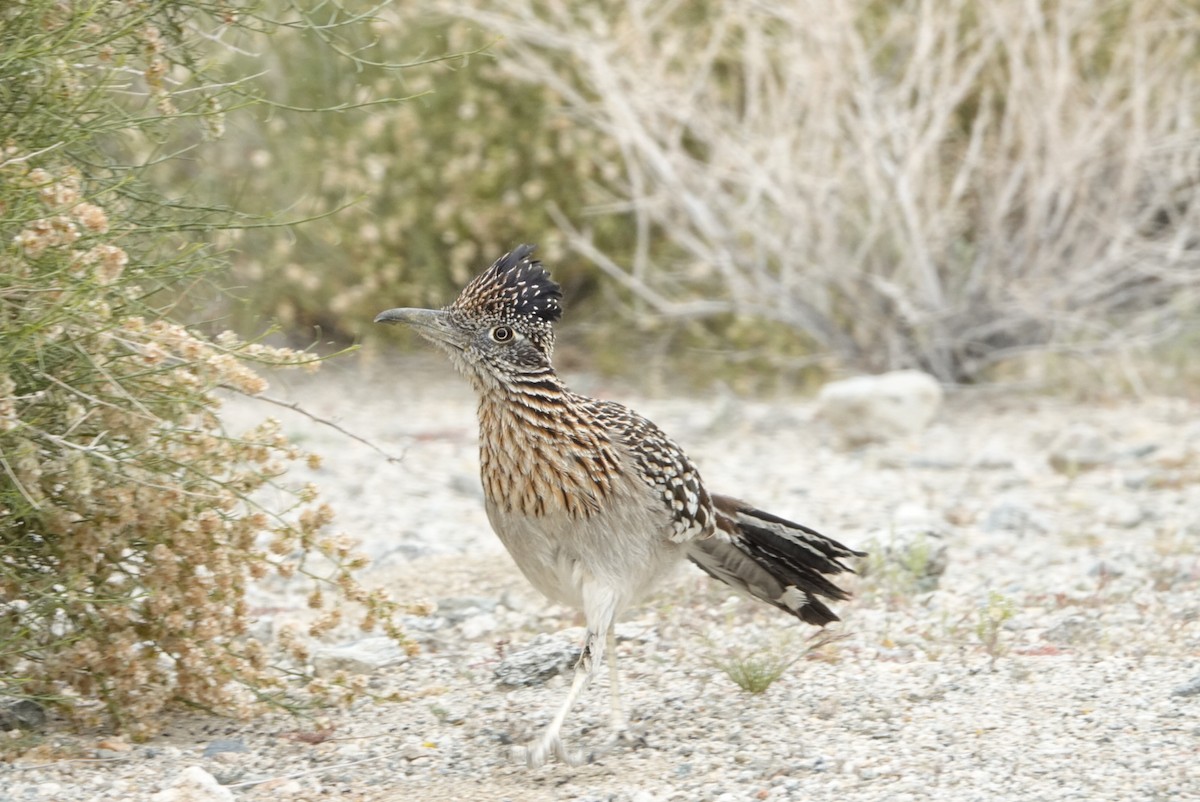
column 541, row 450
column 534, row 405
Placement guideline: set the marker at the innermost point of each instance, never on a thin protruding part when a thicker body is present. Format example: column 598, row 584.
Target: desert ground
column 1026, row 627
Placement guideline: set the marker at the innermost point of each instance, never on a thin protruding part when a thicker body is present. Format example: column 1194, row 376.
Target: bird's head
column 502, row 323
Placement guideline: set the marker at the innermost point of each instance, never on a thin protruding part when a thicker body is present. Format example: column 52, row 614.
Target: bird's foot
column 623, row 735
column 536, row 753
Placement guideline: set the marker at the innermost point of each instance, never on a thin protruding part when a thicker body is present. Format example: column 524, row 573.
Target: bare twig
column 295, row 407
column 308, row 773
column 28, row 156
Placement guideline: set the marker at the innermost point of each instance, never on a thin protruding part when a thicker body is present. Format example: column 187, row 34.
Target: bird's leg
column 617, row 712
column 536, row 753
column 621, row 732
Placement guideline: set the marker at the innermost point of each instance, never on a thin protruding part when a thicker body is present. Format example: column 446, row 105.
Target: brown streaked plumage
column 594, row 502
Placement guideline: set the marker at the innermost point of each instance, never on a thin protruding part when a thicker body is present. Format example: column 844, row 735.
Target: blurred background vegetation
column 983, row 190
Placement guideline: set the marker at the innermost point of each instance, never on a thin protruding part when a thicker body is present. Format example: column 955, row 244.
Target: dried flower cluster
column 131, row 521
column 128, row 522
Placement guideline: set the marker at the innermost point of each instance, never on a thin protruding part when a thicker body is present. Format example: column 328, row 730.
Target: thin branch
column 17, row 483
column 298, row 774
column 28, row 156
column 665, row 307
column 295, row 407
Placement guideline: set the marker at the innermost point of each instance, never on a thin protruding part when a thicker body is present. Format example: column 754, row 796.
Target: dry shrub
column 130, row 525
column 409, row 199
column 932, row 183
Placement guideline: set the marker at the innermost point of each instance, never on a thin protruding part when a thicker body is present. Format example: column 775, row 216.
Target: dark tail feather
column 773, row 559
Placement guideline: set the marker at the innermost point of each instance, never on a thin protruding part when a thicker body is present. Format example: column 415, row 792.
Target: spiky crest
column 516, row 290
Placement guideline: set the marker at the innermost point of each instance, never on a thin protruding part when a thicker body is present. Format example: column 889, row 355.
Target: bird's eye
column 502, row 334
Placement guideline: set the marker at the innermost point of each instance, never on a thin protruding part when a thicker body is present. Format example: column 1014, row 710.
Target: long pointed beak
column 433, row 324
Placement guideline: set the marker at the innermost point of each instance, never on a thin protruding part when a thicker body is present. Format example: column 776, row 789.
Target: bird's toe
column 536, row 753
column 626, row 736
column 571, row 757
column 532, row 755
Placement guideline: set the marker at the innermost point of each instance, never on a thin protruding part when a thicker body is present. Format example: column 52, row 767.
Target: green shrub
column 129, row 528
column 412, row 198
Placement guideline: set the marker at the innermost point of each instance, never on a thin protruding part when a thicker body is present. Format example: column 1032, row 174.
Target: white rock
column 873, row 408
column 1014, row 516
column 360, row 657
column 914, row 514
column 288, row 788
column 1122, row 512
column 194, row 784
column 478, row 626
column 414, row 750
column 1079, row 447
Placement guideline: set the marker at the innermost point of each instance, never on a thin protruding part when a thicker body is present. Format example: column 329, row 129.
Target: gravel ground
column 1056, row 657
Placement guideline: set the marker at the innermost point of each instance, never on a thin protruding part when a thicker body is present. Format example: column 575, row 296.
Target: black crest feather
column 516, row 288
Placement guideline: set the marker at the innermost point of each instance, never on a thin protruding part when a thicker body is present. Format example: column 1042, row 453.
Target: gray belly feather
column 623, row 549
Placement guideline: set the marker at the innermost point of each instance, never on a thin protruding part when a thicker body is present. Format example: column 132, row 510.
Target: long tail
column 772, row 559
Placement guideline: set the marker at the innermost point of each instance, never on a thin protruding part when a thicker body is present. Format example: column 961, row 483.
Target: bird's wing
column 664, row 467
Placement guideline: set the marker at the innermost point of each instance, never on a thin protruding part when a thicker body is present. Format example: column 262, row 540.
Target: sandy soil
column 1056, row 657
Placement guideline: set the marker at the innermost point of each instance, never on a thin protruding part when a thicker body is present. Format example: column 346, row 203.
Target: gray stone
column 993, row 458
column 912, row 514
column 926, row 463
column 1189, row 688
column 1072, row 630
column 109, row 754
column 460, row 608
column 868, row 409
column 224, row 745
column 1010, row 516
column 415, row 624
column 546, row 656
column 645, row 796
column 359, row 657
column 287, row 788
column 23, row 714
column 639, row 633
column 467, row 485
column 1174, row 456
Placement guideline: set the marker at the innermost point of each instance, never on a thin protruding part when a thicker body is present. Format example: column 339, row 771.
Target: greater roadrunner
column 594, row 503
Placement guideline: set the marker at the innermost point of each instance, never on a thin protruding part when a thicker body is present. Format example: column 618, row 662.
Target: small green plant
column 989, row 625
column 756, row 668
column 896, row 571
